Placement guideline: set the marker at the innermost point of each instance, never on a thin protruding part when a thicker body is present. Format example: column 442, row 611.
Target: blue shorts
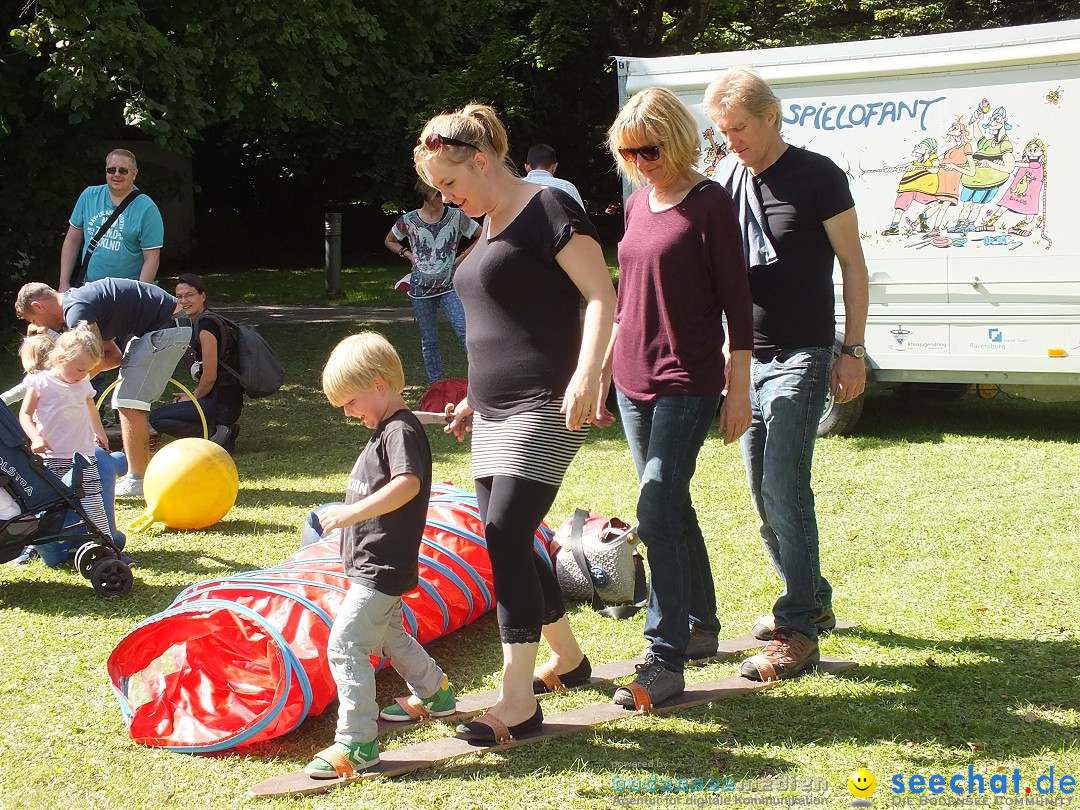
column 979, row 196
column 149, row 362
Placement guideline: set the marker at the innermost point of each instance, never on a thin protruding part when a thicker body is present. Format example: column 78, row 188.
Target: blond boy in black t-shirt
column 383, row 521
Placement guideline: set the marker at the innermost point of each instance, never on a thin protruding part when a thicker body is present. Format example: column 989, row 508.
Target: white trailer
column 974, row 267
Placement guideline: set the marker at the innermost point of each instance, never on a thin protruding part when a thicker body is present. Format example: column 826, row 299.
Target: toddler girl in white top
column 59, row 416
column 34, row 354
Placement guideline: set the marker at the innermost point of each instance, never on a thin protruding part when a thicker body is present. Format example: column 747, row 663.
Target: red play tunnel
column 243, row 659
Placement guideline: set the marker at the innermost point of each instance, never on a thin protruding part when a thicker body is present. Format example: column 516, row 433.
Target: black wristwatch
column 856, row 350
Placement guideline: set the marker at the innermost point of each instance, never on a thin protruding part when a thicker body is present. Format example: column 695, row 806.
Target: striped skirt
column 535, row 445
column 93, row 502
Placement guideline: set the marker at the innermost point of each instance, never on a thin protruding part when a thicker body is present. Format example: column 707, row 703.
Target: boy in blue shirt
column 383, row 519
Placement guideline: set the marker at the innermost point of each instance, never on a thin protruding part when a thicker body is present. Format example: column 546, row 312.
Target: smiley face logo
column 862, row 784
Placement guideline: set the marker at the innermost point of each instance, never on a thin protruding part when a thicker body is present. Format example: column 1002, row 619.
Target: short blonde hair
column 34, row 351
column 476, row 124
column 125, row 153
column 354, row 364
column 741, row 87
column 74, row 343
column 655, row 117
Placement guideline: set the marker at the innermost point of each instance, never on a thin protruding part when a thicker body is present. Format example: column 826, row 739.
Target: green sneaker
column 337, row 760
column 441, row 704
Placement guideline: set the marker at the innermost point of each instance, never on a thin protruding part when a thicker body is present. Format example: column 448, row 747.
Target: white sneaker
column 128, row 487
column 220, row 434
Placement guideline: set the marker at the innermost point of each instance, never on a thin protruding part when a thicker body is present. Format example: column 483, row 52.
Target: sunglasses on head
column 115, row 169
column 434, row 142
column 649, row 153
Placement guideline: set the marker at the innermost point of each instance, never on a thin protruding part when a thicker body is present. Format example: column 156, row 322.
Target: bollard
column 333, row 256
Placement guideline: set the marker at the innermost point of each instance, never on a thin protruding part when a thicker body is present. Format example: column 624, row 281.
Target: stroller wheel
column 89, row 554
column 111, row 578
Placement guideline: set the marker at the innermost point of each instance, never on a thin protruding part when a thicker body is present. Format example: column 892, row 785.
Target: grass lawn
column 949, row 530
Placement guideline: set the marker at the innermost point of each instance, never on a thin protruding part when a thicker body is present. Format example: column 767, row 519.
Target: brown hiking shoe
column 765, row 626
column 787, row 655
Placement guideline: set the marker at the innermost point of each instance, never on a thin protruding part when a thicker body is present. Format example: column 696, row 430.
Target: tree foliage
column 281, row 89
column 290, row 107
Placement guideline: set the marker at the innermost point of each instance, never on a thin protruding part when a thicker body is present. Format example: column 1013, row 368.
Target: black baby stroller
column 40, row 508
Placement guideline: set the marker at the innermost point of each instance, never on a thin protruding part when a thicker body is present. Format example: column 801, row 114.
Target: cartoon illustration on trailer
column 969, row 194
column 1025, row 194
column 713, row 152
column 994, row 162
column 957, row 163
column 919, row 184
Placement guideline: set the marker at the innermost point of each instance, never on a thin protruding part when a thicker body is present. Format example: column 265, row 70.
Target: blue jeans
column 665, row 437
column 426, row 311
column 180, row 419
column 787, row 396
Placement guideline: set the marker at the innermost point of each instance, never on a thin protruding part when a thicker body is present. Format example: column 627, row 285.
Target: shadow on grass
column 966, row 712
column 197, row 564
column 889, row 418
column 302, row 501
column 51, row 598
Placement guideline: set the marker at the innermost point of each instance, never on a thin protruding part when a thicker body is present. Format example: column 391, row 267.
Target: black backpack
column 259, row 371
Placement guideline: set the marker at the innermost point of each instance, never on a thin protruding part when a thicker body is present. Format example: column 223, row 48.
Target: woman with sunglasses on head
column 217, row 390
column 534, row 385
column 681, row 270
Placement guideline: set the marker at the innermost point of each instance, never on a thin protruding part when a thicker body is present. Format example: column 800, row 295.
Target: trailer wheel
column 837, row 419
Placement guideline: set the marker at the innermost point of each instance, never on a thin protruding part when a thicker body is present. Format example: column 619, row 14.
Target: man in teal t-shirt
column 132, row 246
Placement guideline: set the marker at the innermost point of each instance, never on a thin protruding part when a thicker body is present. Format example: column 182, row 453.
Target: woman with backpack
column 217, row 390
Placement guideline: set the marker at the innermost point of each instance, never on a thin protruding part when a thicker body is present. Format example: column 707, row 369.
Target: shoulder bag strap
column 576, row 529
column 80, row 273
column 229, row 329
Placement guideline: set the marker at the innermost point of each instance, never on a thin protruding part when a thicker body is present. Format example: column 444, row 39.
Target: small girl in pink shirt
column 60, row 418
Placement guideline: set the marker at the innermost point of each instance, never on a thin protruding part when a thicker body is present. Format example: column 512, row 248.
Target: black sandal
column 545, row 680
column 490, row 730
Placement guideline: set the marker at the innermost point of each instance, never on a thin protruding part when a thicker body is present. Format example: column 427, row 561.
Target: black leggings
column 526, row 590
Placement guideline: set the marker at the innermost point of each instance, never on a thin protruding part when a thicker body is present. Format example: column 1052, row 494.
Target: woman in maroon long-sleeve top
column 681, row 269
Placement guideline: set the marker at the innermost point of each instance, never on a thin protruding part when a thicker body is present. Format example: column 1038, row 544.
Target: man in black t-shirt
column 114, row 308
column 797, row 215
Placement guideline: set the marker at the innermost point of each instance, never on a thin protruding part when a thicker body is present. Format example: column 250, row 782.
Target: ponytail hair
column 34, row 352
column 477, row 125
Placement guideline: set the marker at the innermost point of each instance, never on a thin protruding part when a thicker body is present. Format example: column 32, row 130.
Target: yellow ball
column 189, row 484
column 862, row 784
